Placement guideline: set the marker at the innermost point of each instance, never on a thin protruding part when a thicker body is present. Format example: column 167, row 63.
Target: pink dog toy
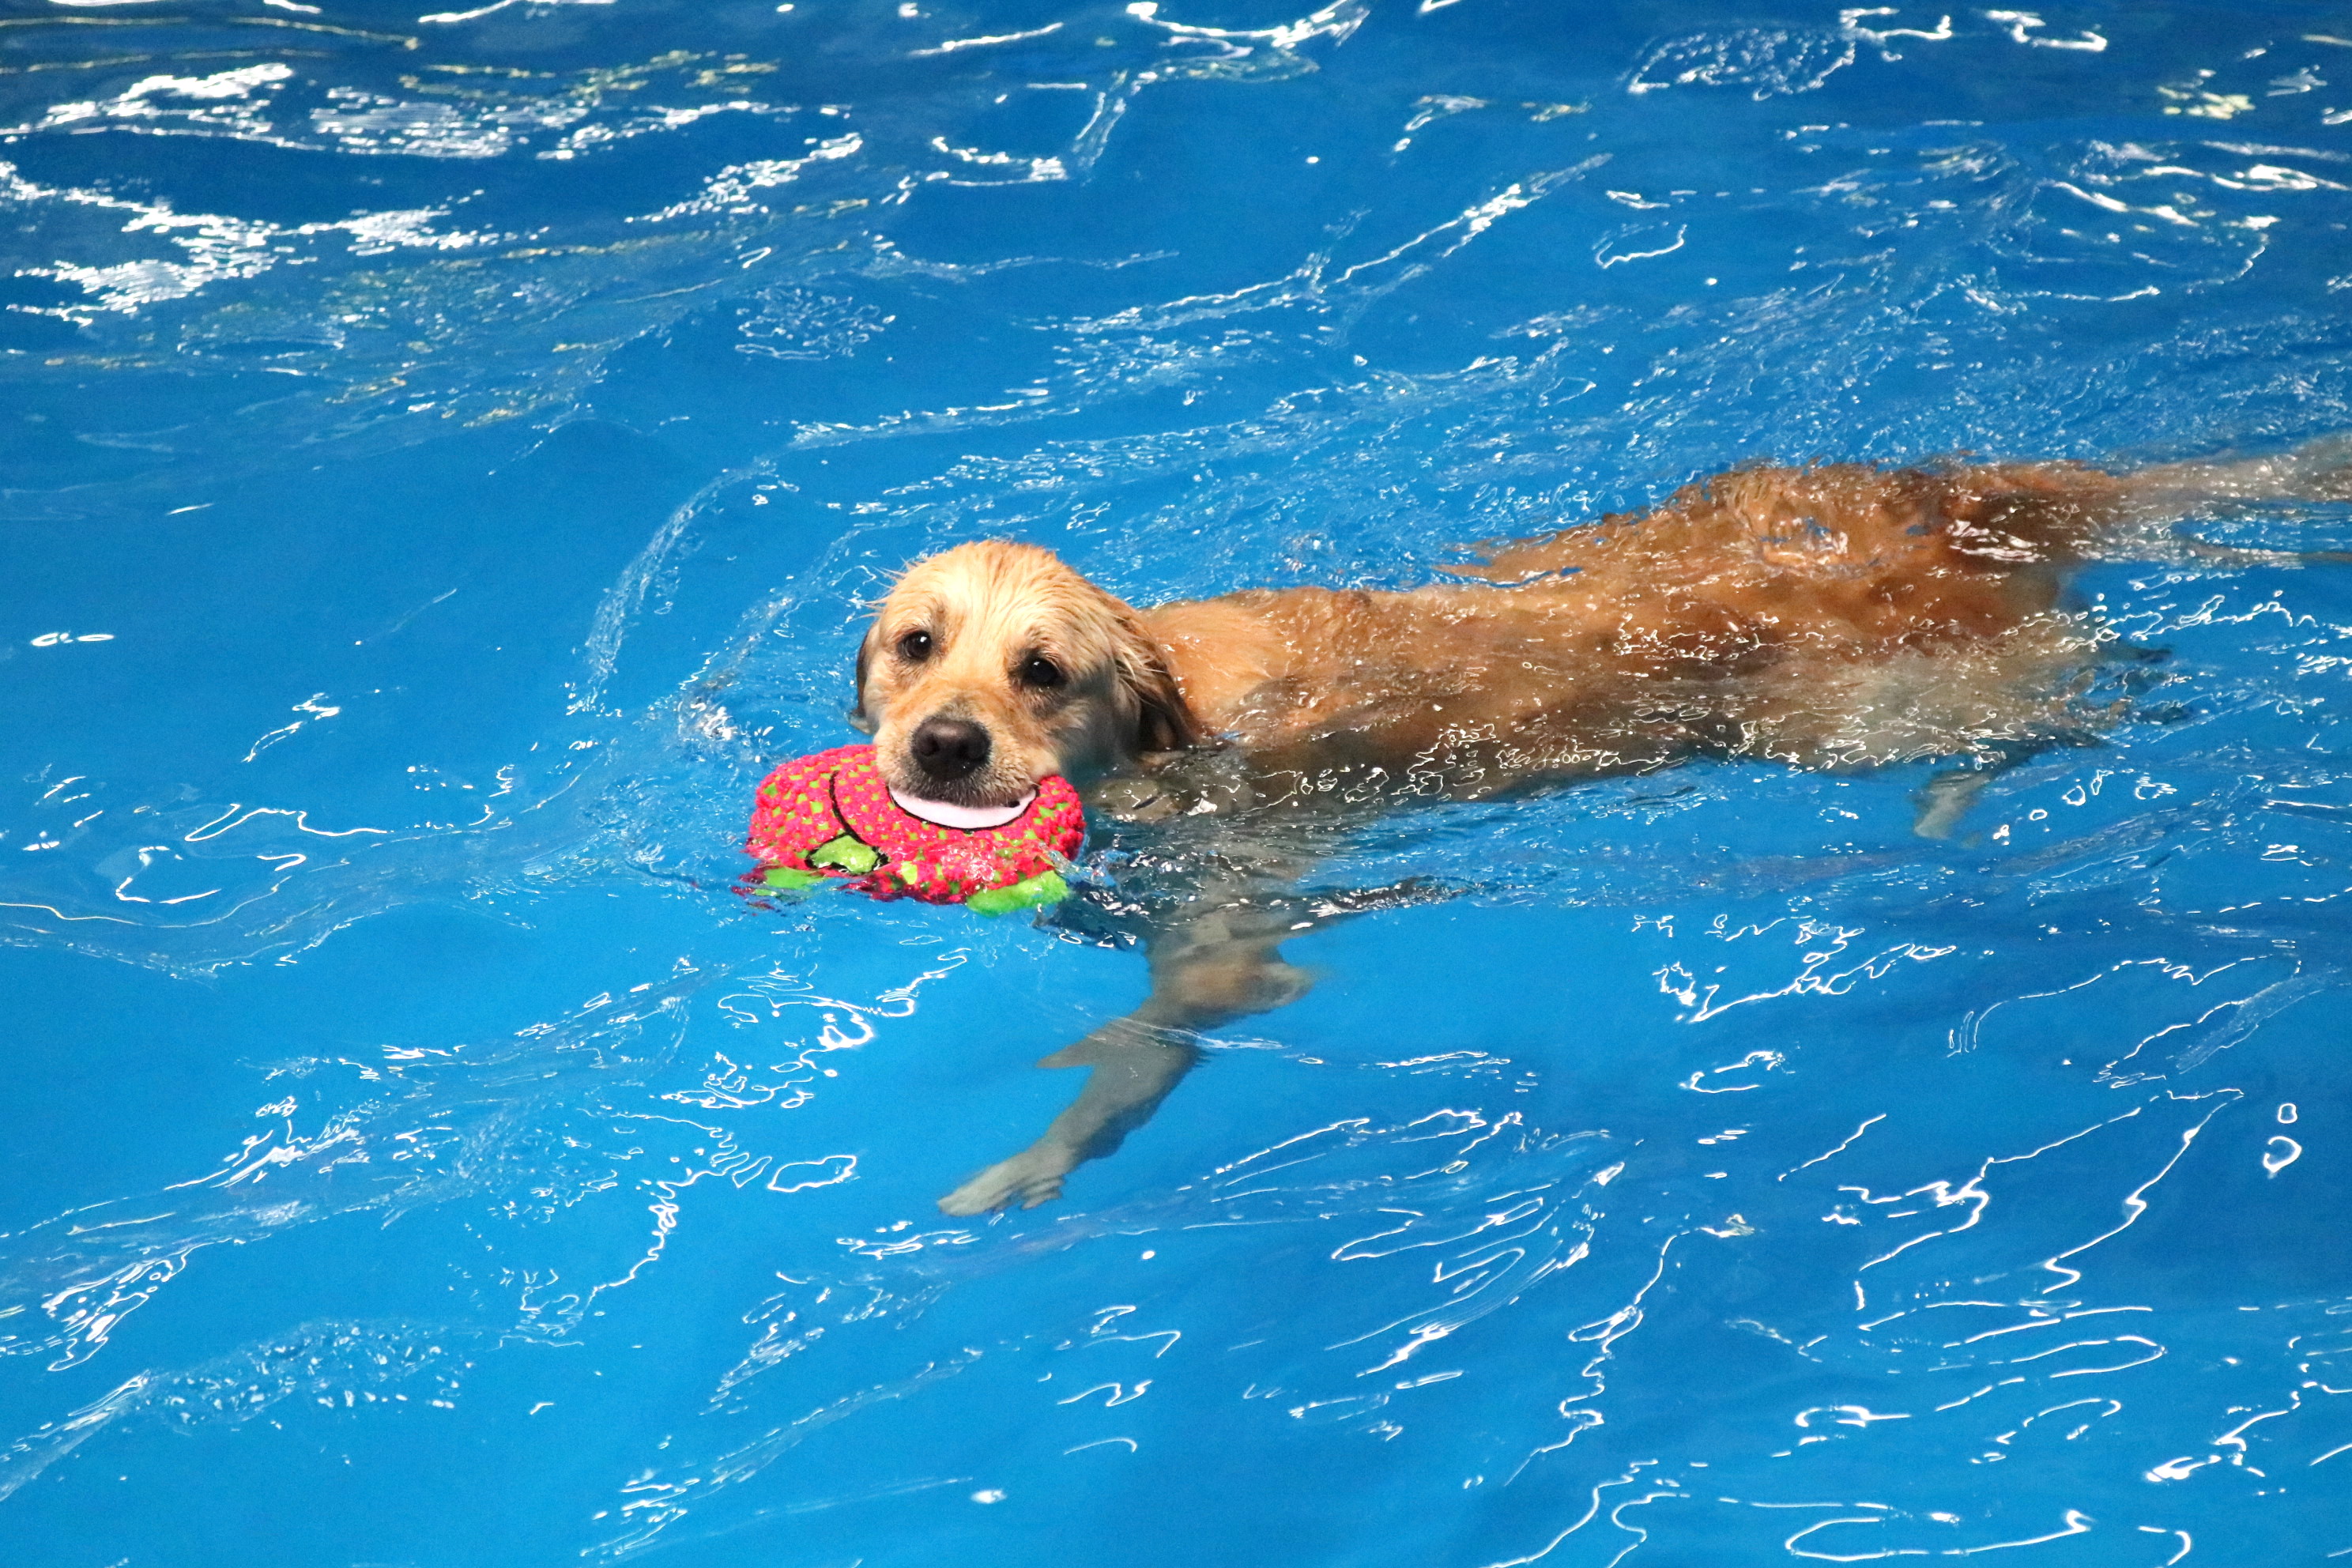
column 832, row 816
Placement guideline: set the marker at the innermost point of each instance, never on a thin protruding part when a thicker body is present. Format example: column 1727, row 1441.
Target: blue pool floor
column 446, row 456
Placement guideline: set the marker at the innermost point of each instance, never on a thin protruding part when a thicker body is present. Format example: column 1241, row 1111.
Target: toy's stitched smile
column 948, row 814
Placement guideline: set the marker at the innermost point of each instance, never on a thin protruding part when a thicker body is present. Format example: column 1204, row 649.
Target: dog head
column 989, row 666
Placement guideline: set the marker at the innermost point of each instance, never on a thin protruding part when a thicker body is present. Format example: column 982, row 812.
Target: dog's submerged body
column 1832, row 616
column 1753, row 615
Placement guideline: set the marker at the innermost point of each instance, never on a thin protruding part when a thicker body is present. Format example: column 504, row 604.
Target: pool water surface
column 447, row 459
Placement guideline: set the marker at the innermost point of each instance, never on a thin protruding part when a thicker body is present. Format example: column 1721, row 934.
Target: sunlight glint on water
column 446, row 455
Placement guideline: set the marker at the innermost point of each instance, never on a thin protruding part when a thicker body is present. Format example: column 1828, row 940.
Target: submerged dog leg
column 1204, row 972
column 1945, row 799
column 1135, row 1065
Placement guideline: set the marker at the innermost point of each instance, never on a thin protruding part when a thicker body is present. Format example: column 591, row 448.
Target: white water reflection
column 1722, row 1172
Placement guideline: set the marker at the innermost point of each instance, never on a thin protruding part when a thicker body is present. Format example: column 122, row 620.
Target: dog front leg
column 1135, row 1065
column 1204, row 973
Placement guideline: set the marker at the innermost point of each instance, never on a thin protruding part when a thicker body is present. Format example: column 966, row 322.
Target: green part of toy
column 789, row 879
column 1044, row 887
column 846, row 853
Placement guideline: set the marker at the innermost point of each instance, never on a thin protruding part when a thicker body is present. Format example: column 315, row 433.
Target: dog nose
column 949, row 749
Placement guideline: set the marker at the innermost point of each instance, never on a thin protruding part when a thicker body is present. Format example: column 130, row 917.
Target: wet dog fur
column 1834, row 617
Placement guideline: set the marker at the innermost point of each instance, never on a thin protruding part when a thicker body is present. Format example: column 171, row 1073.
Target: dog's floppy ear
column 1163, row 720
column 859, row 717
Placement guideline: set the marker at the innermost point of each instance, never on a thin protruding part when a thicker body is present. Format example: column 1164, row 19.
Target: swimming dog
column 1839, row 616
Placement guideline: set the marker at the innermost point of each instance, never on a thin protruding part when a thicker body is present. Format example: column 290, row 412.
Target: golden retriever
column 1836, row 616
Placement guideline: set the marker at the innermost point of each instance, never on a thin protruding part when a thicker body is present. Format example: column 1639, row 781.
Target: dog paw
column 1033, row 1176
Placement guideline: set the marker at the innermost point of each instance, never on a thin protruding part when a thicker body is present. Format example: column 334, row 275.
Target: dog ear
column 1163, row 720
column 858, row 718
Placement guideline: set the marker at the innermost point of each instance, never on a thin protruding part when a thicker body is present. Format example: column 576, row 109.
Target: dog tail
column 2315, row 472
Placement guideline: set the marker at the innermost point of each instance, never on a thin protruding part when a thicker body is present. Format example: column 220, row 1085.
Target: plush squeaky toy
column 832, row 816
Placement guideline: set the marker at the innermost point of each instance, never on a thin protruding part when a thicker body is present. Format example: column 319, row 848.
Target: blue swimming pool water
column 445, row 453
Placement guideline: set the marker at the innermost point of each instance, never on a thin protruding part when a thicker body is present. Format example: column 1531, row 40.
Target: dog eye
column 915, row 646
column 1039, row 671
